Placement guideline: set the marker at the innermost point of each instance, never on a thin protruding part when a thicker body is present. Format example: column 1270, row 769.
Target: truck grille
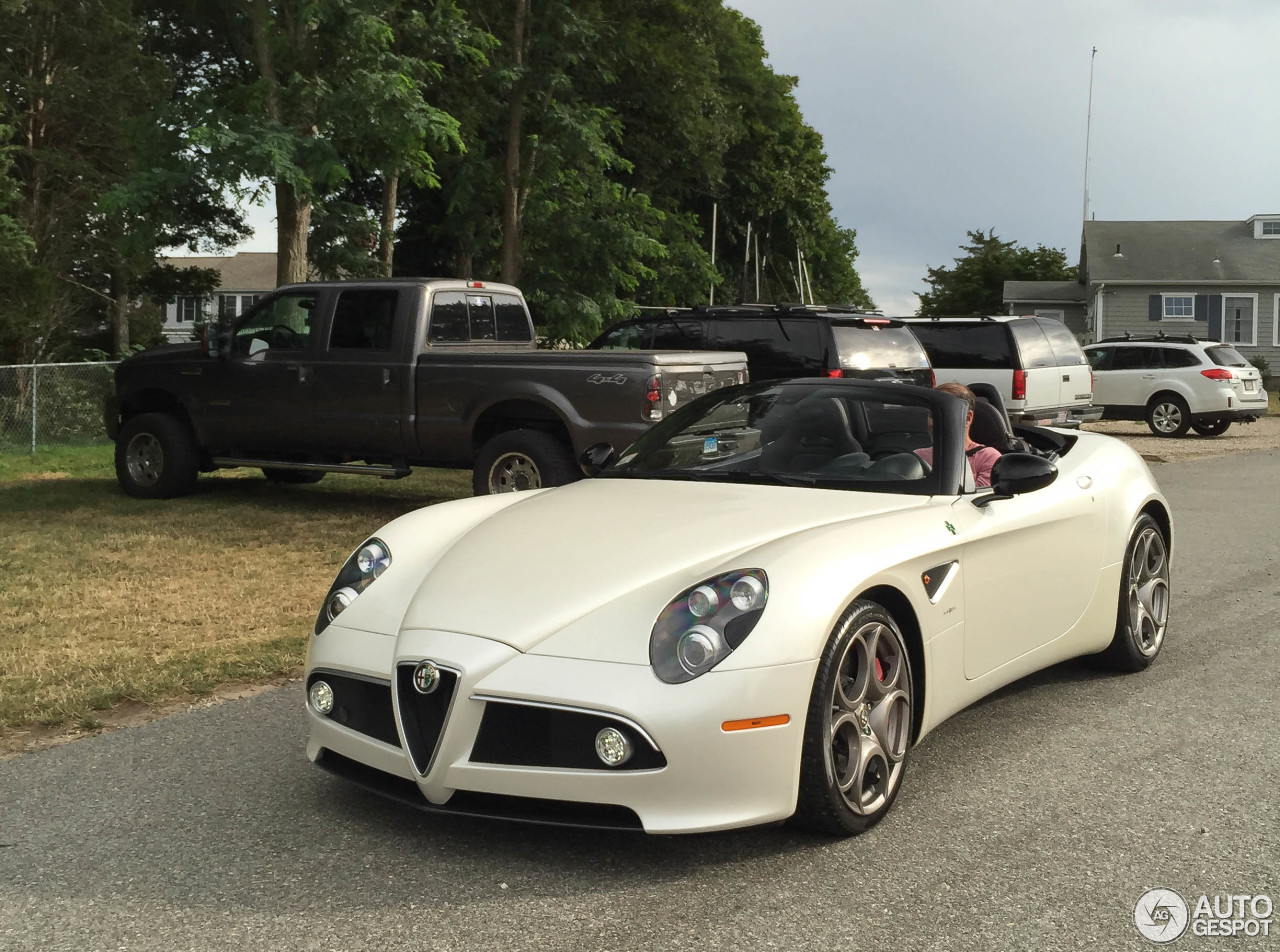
column 423, row 716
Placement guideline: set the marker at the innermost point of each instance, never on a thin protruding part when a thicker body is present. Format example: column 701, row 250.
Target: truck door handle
column 386, row 376
column 1148, row 376
column 1066, row 378
column 300, row 371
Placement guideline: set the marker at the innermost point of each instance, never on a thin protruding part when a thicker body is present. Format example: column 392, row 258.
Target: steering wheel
column 285, row 337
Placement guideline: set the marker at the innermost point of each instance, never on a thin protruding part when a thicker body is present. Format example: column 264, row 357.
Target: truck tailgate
column 687, row 374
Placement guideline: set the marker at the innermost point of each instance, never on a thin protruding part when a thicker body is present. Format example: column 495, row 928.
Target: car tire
column 156, row 457
column 1168, row 415
column 291, row 477
column 1216, row 428
column 862, row 695
column 522, row 459
column 1142, row 615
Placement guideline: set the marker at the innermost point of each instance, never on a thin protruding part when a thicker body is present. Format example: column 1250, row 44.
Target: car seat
column 815, row 432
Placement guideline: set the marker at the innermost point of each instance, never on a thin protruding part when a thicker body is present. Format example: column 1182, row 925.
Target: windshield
column 877, row 438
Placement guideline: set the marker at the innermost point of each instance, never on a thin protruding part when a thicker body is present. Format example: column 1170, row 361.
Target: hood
column 534, row 567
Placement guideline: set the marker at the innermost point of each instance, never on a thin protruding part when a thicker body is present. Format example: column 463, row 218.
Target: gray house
column 1211, row 279
column 246, row 277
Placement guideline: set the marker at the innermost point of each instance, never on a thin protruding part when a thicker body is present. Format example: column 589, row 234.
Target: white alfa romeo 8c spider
column 752, row 615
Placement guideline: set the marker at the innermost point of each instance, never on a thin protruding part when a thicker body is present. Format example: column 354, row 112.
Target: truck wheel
column 522, row 459
column 156, row 457
column 295, row 477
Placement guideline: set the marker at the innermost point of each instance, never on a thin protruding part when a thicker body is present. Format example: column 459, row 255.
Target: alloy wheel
column 869, row 724
column 1148, row 595
column 1166, row 417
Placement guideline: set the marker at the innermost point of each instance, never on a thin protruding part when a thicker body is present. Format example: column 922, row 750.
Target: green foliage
column 1264, row 370
column 976, row 284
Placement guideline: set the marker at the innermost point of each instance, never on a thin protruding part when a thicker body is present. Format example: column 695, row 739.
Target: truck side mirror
column 595, row 458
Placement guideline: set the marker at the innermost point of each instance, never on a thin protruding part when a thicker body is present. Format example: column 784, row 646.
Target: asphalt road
column 1032, row 821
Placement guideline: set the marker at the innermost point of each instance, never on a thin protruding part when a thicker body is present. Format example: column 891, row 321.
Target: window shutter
column 1215, row 316
column 1155, row 307
column 1202, row 307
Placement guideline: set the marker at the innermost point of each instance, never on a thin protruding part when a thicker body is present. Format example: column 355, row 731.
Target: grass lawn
column 107, row 598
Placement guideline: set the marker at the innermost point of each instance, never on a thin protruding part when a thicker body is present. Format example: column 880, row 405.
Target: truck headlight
column 357, row 573
column 701, row 626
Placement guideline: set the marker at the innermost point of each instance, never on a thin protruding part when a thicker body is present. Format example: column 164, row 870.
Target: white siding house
column 246, row 277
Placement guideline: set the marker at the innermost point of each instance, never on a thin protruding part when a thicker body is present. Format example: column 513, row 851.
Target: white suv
column 1035, row 362
column 1175, row 384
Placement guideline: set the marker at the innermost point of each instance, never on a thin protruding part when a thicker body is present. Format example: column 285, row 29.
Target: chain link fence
column 53, row 405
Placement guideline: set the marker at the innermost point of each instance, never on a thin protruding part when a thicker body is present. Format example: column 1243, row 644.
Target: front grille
column 494, row 806
column 422, row 716
column 361, row 704
column 532, row 736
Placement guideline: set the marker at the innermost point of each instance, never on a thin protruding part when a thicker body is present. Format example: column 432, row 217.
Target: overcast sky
column 941, row 116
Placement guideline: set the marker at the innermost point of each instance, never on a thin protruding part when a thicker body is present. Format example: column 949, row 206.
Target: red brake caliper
column 879, row 671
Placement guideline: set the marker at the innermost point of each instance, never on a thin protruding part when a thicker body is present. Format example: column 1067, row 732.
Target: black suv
column 784, row 340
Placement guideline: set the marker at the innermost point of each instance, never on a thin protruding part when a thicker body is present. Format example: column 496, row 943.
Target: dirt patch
column 129, row 714
column 1264, row 434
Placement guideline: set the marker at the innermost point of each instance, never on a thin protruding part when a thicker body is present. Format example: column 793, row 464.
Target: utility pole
column 1088, row 128
column 711, row 297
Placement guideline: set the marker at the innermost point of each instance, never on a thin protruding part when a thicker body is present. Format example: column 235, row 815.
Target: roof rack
column 1160, row 338
column 783, row 308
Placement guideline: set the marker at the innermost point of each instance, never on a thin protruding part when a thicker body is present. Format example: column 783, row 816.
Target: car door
column 1030, row 567
column 1134, row 376
column 1074, row 386
column 357, row 380
column 1043, row 382
column 261, row 406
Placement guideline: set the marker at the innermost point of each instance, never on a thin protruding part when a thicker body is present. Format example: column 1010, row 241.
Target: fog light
column 613, row 747
column 322, row 697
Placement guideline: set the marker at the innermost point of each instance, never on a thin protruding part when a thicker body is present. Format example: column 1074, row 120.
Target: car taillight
column 1091, row 380
column 837, row 372
column 933, row 379
column 653, row 399
column 1019, row 385
column 1216, row 373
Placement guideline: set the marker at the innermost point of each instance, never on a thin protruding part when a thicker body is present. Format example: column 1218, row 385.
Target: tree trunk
column 293, row 221
column 387, row 236
column 515, row 122
column 120, row 312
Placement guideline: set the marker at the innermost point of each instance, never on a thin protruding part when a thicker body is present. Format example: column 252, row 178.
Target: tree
column 298, row 92
column 976, row 284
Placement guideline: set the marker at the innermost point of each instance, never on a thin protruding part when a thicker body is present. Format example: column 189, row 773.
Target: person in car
column 981, row 458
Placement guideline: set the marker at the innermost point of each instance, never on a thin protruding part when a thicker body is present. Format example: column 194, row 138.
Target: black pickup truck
column 379, row 376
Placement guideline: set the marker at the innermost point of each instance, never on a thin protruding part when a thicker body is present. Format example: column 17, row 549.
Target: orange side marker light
column 751, row 723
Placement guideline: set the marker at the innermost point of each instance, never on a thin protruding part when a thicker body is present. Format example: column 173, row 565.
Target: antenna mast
column 1088, row 128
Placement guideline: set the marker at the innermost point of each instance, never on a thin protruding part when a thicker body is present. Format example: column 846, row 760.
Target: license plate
column 1250, row 384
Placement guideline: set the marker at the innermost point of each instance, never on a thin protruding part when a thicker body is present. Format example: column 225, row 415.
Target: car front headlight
column 358, row 573
column 701, row 626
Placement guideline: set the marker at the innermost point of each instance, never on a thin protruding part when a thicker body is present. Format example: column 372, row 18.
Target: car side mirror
column 596, row 457
column 1016, row 473
column 214, row 340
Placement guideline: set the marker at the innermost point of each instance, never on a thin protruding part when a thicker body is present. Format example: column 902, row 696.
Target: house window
column 1240, row 319
column 1271, row 229
column 1179, row 307
column 226, row 307
column 190, row 309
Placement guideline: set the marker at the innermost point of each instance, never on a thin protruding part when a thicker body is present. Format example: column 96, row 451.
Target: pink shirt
column 981, row 459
